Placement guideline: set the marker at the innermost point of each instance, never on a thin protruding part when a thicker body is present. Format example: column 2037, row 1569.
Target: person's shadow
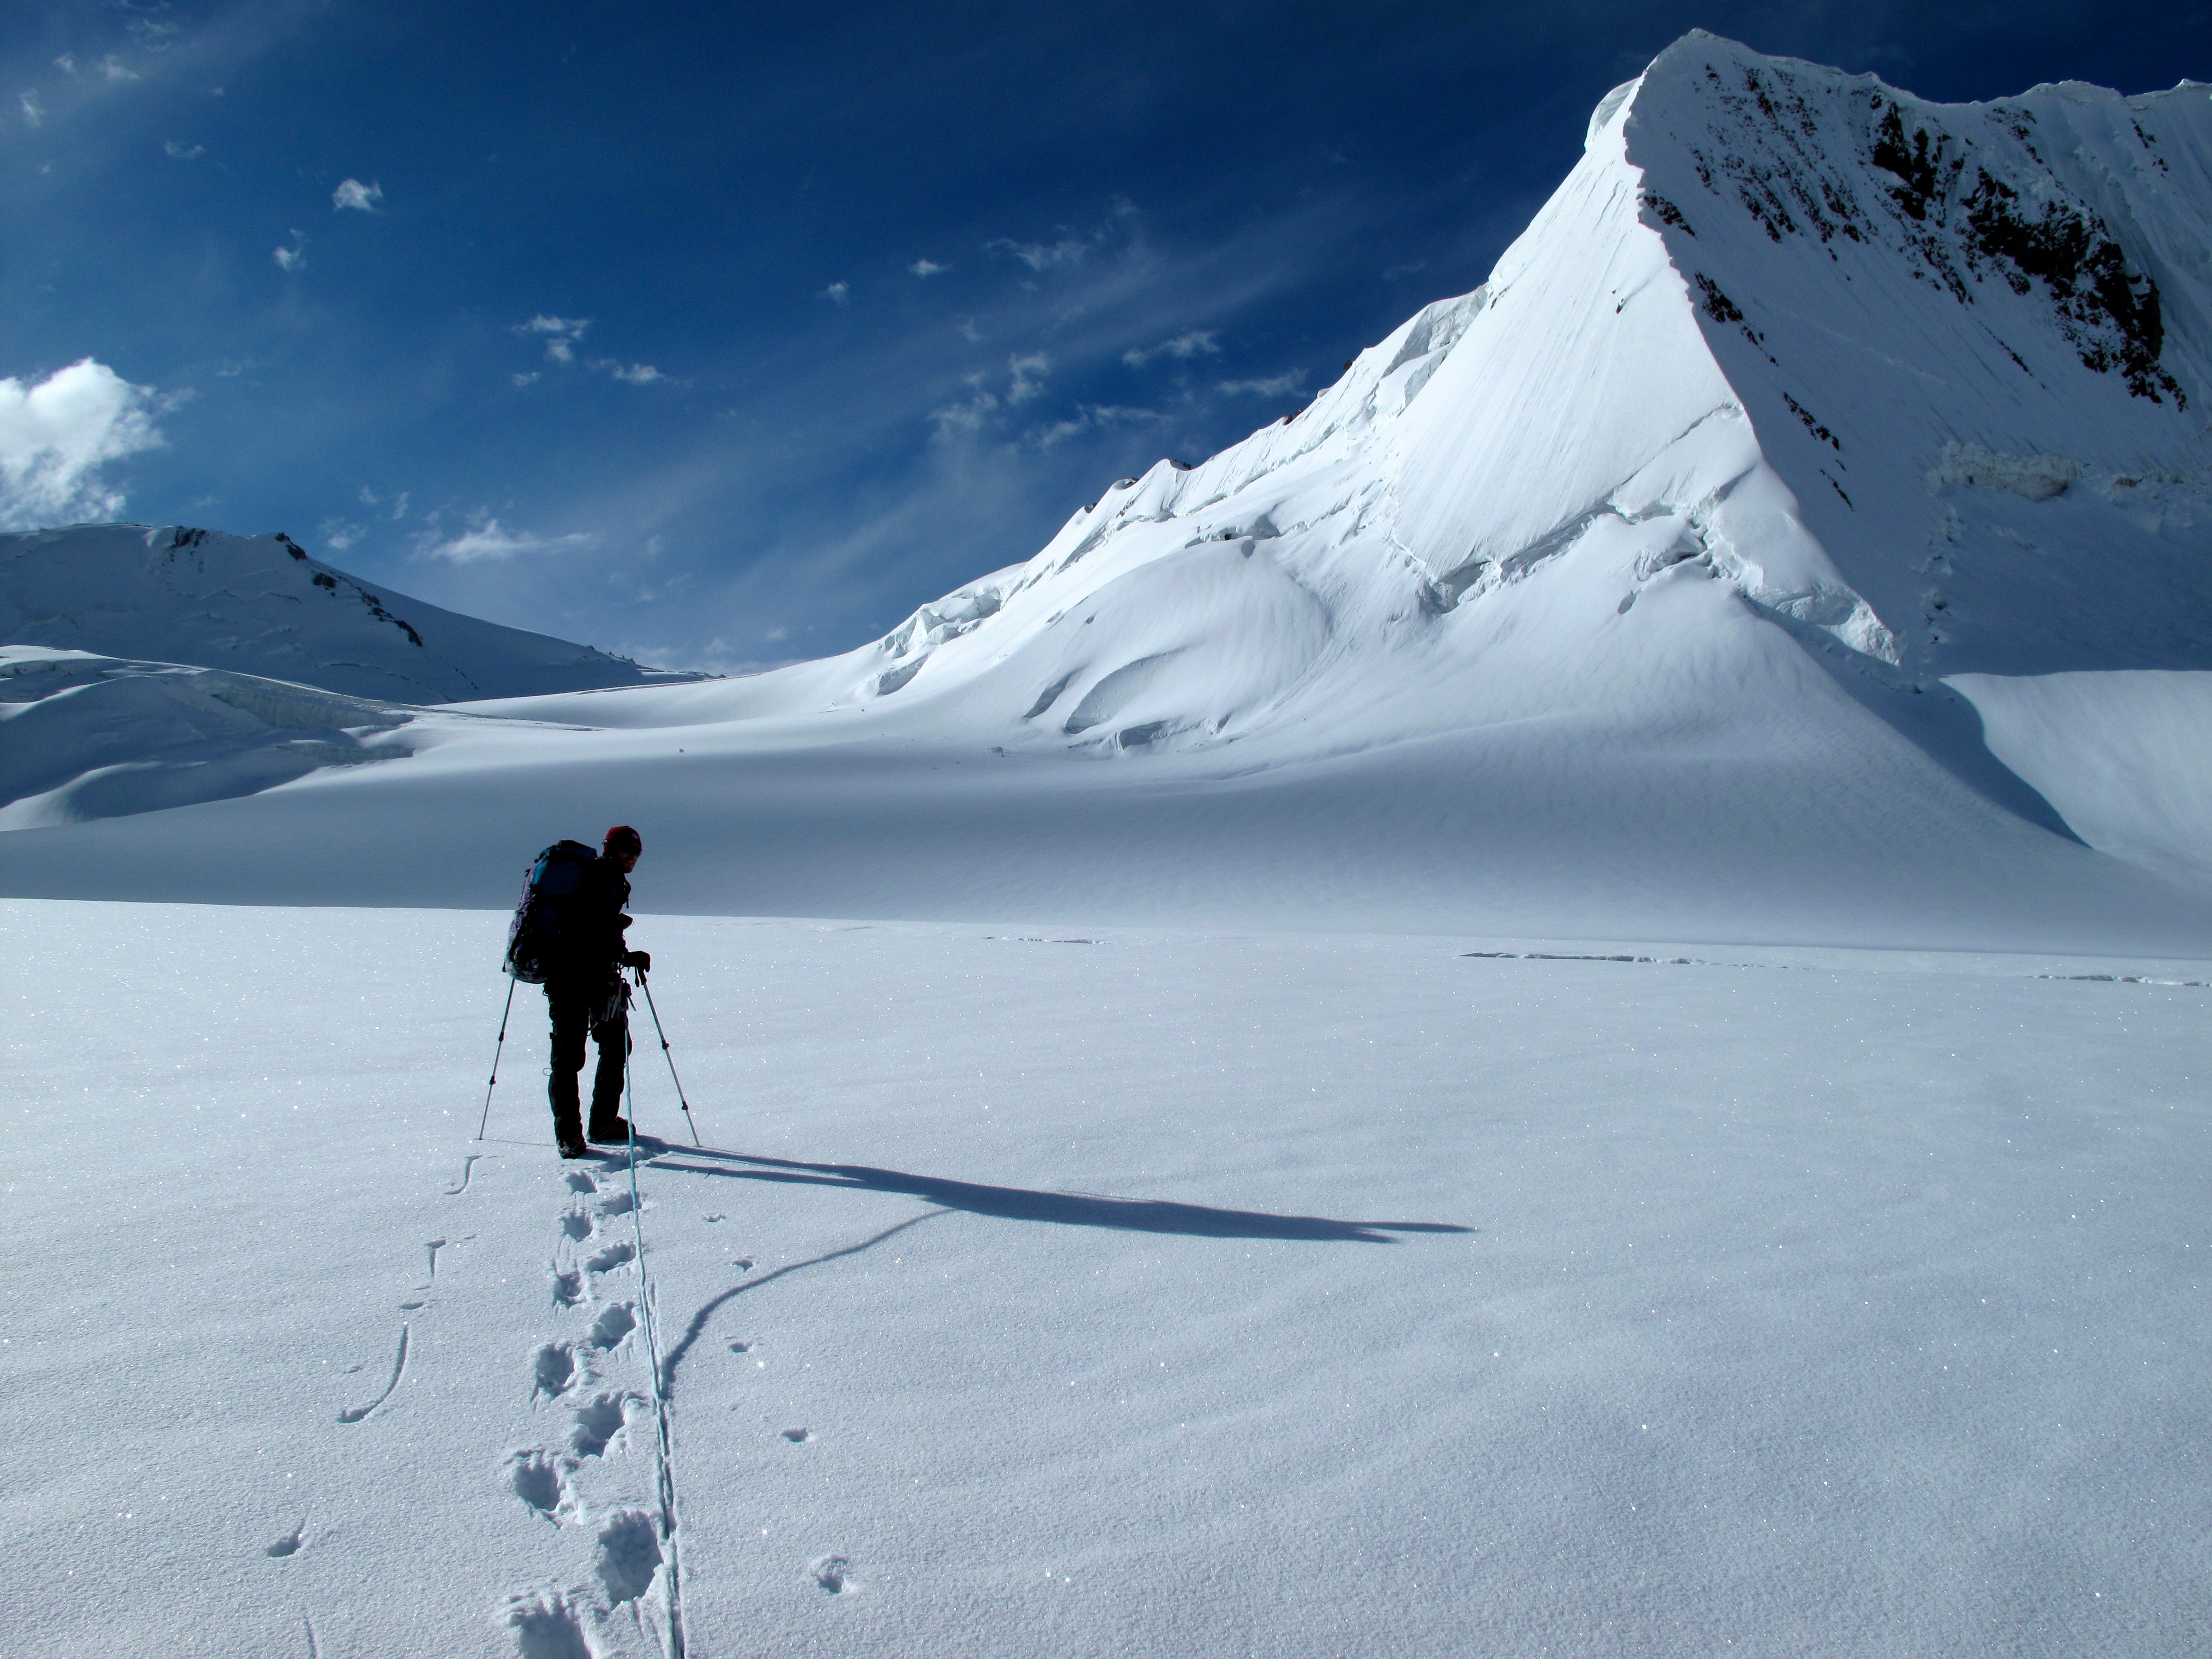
column 1143, row 1215
column 1140, row 1215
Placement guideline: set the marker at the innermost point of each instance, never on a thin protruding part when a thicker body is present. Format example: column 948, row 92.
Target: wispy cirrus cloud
column 1198, row 342
column 34, row 111
column 1067, row 247
column 294, row 257
column 928, row 268
column 57, row 435
column 352, row 193
column 964, row 415
column 1028, row 370
column 182, row 152
column 1087, row 418
column 487, row 538
column 1275, row 385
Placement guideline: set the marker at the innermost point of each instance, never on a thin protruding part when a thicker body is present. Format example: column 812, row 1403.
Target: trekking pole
column 496, row 1054
column 644, row 986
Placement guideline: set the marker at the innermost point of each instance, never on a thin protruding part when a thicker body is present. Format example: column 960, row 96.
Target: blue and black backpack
column 541, row 917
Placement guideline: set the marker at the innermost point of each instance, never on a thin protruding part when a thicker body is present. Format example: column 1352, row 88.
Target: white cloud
column 294, row 257
column 1028, row 376
column 155, row 34
column 838, row 294
column 638, row 373
column 368, row 497
column 180, row 153
column 559, row 333
column 965, row 418
column 1088, row 418
column 525, row 380
column 928, row 268
column 56, row 436
column 355, row 194
column 1200, row 342
column 1275, row 385
column 1042, row 256
column 66, row 63
column 399, row 507
column 337, row 535
column 487, row 539
column 1068, row 247
column 33, row 111
column 114, row 70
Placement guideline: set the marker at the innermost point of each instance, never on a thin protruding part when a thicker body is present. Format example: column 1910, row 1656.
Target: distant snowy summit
column 260, row 606
column 1924, row 385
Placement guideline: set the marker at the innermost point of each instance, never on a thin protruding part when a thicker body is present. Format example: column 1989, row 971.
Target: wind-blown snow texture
column 1652, row 588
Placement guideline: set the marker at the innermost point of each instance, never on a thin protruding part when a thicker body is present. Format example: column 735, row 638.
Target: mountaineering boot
column 608, row 1127
column 569, row 1134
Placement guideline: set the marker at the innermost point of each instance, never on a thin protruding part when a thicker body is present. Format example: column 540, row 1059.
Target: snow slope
column 1654, row 587
column 260, row 606
column 1101, row 1293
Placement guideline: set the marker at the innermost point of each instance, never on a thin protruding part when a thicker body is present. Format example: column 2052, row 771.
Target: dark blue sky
column 723, row 335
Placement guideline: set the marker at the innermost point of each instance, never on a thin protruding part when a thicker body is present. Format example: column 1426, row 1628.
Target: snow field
column 1096, row 1292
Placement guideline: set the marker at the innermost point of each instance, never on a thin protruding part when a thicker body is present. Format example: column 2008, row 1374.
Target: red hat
column 626, row 838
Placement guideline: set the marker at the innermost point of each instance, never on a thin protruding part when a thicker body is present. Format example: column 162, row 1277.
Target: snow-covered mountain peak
column 261, row 606
column 1810, row 432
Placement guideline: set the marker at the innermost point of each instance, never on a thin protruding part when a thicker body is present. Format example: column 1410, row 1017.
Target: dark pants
column 600, row 1008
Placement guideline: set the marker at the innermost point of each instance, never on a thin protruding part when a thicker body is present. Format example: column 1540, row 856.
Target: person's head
column 622, row 845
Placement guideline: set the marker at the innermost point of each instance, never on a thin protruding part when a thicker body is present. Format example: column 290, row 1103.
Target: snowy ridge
column 1802, row 415
column 261, row 606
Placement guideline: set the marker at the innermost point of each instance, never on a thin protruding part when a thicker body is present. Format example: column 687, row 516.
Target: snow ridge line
column 664, row 1450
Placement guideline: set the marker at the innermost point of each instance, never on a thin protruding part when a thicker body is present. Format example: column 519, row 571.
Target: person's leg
column 572, row 1018
column 612, row 1035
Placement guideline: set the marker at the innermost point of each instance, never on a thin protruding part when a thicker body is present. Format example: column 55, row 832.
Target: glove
column 641, row 960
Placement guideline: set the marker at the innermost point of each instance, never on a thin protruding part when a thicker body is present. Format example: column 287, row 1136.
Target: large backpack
column 543, row 914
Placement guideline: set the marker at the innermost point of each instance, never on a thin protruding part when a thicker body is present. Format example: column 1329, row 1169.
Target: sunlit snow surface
column 1104, row 1292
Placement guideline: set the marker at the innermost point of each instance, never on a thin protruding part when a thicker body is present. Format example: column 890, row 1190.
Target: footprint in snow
column 288, row 1544
column 547, row 1625
column 536, row 1479
column 577, row 1225
column 629, row 1554
column 578, row 1182
column 612, row 1326
column 834, row 1573
column 615, row 1255
column 797, row 1436
column 598, row 1421
column 554, row 1370
column 619, row 1204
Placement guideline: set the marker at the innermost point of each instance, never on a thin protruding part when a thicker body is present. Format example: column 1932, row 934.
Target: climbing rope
column 666, row 1447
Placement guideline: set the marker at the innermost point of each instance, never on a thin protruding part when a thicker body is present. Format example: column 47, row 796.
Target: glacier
column 1555, row 1006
